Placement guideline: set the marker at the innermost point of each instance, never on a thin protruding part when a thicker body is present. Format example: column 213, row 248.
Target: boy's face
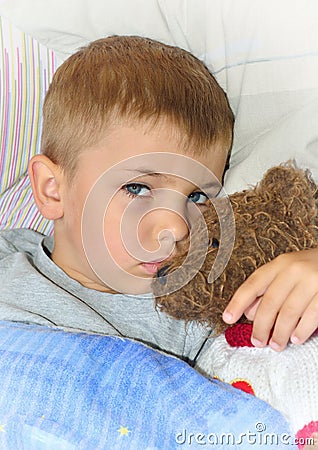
column 129, row 206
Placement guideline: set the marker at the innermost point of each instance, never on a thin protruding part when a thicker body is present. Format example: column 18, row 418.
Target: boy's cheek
column 114, row 243
column 114, row 248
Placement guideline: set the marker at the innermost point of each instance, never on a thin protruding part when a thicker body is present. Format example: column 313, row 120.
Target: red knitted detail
column 239, row 335
column 305, row 433
column 243, row 385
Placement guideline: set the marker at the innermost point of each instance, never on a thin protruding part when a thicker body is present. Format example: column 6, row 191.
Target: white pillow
column 64, row 26
column 264, row 53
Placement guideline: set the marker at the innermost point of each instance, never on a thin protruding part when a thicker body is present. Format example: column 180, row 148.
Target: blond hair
column 133, row 78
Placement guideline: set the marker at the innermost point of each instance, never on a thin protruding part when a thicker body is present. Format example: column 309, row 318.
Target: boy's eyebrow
column 150, row 172
column 212, row 184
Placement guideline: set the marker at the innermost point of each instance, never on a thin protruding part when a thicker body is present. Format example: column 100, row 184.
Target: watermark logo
column 257, row 437
column 104, row 194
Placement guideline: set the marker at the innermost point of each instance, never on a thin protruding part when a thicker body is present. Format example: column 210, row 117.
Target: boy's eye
column 137, row 190
column 198, row 197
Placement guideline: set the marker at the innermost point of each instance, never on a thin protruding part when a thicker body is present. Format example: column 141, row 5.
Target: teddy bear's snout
column 162, row 274
column 215, row 243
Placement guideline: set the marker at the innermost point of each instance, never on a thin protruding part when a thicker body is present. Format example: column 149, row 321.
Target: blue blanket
column 74, row 391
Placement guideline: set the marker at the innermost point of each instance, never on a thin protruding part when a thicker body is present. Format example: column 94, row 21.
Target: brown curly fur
column 277, row 216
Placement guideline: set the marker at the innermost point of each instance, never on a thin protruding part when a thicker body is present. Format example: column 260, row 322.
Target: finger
column 313, row 442
column 274, row 299
column 285, row 324
column 293, row 311
column 249, row 291
column 308, row 323
column 250, row 311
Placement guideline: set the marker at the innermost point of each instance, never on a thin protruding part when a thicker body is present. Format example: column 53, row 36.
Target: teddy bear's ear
column 287, row 179
column 292, row 191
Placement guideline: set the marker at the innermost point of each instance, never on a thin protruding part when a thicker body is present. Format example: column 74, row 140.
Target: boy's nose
column 170, row 226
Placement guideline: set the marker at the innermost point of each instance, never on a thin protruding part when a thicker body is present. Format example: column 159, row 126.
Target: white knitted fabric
column 287, row 380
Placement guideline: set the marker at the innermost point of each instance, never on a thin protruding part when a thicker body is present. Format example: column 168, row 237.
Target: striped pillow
column 26, row 69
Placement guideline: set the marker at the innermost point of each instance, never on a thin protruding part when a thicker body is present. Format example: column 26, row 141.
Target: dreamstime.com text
column 257, row 437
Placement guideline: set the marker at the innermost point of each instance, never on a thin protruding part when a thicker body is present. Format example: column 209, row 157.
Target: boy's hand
column 280, row 297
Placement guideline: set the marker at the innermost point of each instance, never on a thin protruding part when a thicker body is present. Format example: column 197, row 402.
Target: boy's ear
column 46, row 178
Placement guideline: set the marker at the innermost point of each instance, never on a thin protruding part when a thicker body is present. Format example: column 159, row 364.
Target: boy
column 131, row 128
column 110, row 104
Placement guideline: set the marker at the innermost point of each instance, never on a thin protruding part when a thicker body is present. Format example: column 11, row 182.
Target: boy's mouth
column 154, row 266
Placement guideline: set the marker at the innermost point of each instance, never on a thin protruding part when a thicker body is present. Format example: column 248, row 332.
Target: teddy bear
column 278, row 215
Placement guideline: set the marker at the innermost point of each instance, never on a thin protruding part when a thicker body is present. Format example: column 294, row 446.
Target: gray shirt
column 33, row 289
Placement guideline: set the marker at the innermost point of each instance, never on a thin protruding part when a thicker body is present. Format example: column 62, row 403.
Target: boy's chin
column 140, row 287
column 129, row 284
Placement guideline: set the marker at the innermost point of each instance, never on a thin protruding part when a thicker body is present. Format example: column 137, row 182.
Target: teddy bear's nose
column 162, row 275
column 215, row 243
